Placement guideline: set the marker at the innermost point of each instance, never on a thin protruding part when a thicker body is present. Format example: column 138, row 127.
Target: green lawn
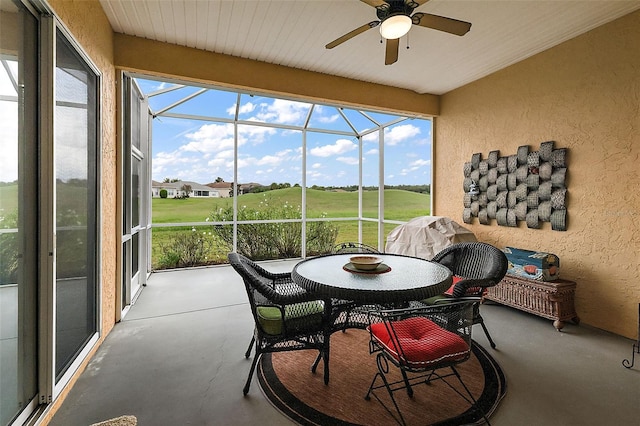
column 400, row 205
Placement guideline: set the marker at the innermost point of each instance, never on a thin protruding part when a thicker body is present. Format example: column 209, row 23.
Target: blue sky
column 201, row 151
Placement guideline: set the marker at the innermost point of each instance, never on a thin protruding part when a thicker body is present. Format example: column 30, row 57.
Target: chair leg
column 383, row 366
column 245, row 391
column 314, row 366
column 247, row 354
column 473, row 400
column 486, row 332
column 406, row 383
column 324, row 354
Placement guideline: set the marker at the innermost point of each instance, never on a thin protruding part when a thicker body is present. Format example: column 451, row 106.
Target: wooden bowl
column 365, row 263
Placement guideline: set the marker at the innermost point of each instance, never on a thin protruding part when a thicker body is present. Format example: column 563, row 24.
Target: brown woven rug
column 287, row 382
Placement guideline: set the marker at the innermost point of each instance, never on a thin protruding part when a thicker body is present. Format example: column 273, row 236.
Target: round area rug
column 287, row 382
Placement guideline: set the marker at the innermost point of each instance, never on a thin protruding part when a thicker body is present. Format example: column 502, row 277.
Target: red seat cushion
column 471, row 291
column 424, row 343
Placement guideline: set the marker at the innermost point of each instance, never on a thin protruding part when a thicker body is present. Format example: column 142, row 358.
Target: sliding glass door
column 76, row 206
column 136, row 232
column 18, row 209
column 49, row 209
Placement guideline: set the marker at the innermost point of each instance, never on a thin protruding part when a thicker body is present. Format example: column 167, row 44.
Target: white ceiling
column 293, row 33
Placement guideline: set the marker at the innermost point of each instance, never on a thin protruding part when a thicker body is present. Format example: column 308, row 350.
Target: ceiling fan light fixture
column 395, row 26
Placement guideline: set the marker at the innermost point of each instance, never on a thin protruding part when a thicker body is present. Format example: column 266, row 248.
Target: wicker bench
column 549, row 299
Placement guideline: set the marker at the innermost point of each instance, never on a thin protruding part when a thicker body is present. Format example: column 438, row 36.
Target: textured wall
column 585, row 95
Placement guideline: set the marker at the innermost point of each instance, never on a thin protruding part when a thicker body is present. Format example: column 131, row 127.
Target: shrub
column 273, row 240
column 186, row 249
column 163, row 193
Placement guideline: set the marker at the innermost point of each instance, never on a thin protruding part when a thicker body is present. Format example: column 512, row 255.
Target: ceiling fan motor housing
column 394, row 8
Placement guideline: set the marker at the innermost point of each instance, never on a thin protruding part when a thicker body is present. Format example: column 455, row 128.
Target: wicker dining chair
column 287, row 317
column 351, row 247
column 425, row 344
column 475, row 266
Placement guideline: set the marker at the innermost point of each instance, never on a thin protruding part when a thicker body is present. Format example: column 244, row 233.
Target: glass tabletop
column 409, row 278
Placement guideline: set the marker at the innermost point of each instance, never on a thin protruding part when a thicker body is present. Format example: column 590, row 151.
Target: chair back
column 425, row 338
column 255, row 278
column 481, row 263
column 351, row 247
column 260, row 290
column 277, row 290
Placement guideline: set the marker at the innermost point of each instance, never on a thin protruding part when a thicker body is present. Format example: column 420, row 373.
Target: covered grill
column 425, row 236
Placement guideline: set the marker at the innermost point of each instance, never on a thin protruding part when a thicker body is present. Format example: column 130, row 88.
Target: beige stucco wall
column 585, row 95
column 90, row 28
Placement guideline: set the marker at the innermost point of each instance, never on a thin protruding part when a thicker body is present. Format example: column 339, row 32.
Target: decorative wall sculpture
column 528, row 186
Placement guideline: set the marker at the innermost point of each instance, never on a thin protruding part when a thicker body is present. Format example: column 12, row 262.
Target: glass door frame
column 133, row 282
column 49, row 387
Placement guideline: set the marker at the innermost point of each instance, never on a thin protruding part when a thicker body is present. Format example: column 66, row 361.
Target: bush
column 281, row 240
column 186, row 249
column 163, row 193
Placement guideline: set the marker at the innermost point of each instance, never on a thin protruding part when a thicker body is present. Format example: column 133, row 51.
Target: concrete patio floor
column 178, row 359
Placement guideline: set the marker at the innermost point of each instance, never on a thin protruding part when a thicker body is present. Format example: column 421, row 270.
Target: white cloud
column 352, row 161
column 373, row 151
column 398, row 134
column 282, row 111
column 420, row 163
column 316, row 165
column 339, row 147
column 415, row 166
column 312, row 173
column 244, row 109
column 328, row 119
column 272, row 160
column 371, row 137
column 167, row 164
column 254, row 134
column 210, row 138
column 269, row 160
column 395, row 135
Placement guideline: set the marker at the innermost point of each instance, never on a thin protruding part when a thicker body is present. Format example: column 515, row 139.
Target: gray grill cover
column 425, row 236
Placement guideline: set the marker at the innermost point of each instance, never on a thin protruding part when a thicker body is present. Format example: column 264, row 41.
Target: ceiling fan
column 395, row 21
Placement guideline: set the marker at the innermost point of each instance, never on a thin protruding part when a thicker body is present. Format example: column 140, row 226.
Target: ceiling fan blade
column 352, row 34
column 391, row 55
column 375, row 3
column 440, row 23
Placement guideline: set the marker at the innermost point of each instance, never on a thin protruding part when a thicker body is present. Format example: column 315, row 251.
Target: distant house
column 245, row 188
column 223, row 188
column 226, row 188
column 175, row 189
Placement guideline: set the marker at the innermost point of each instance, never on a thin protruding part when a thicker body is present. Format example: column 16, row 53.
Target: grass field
column 399, row 205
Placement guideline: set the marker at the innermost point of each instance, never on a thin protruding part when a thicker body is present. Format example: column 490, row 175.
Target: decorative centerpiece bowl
column 365, row 263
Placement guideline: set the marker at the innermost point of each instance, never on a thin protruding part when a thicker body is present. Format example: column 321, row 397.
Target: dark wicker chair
column 426, row 344
column 343, row 315
column 351, row 247
column 475, row 266
column 287, row 317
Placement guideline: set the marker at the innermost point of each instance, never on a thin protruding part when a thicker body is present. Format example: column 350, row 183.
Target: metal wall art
column 528, row 186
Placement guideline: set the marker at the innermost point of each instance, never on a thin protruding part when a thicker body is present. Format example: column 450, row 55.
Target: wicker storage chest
column 549, row 299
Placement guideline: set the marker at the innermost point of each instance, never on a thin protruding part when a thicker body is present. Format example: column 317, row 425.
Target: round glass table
column 404, row 279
